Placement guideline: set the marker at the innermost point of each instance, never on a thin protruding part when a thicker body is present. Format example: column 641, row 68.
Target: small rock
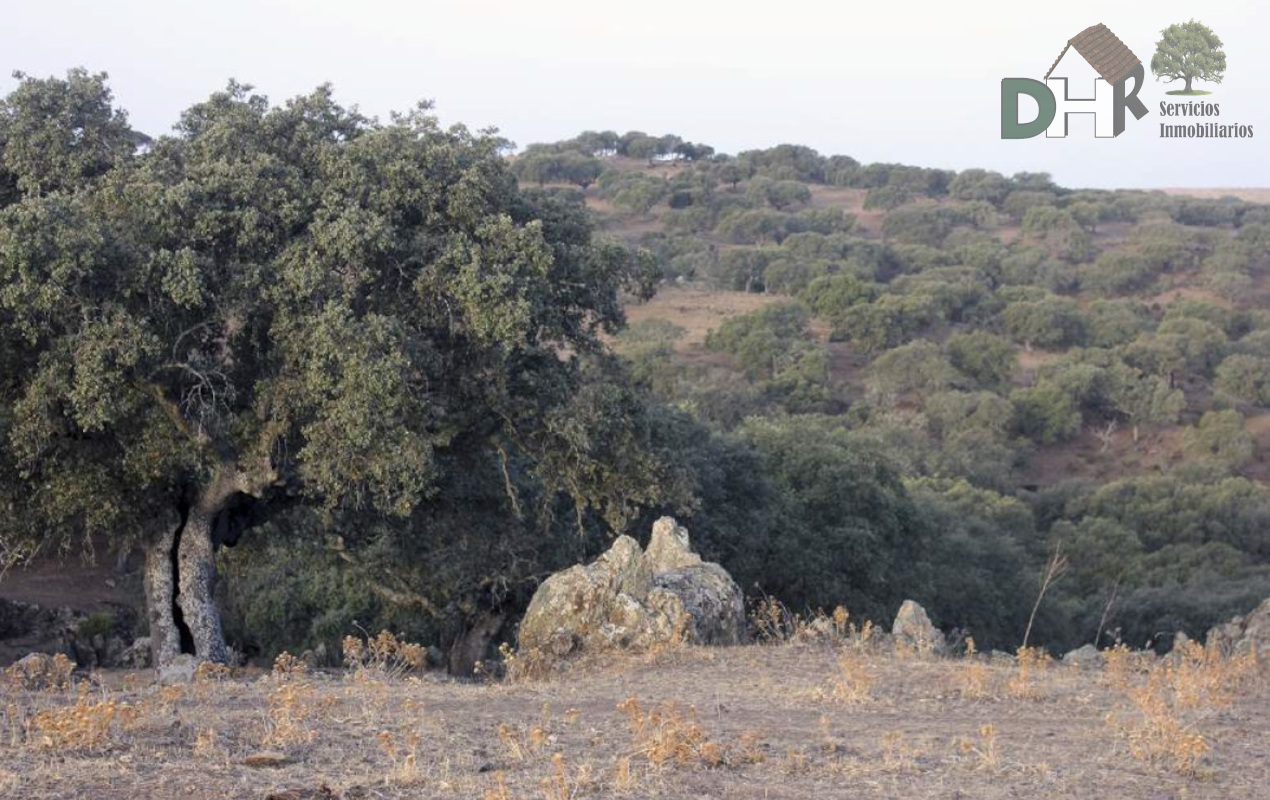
column 180, row 670
column 137, row 655
column 1085, row 656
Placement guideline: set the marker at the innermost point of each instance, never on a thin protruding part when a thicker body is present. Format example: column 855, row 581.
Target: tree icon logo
column 1188, row 51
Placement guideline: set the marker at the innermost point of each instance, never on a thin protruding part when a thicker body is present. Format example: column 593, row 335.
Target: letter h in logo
column 1102, row 107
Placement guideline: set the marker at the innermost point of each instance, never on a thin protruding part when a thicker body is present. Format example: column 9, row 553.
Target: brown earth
column 1251, row 195
column 769, row 722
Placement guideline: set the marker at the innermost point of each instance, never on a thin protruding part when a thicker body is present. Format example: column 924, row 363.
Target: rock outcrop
column 1085, row 656
column 633, row 598
column 913, row 628
column 1248, row 633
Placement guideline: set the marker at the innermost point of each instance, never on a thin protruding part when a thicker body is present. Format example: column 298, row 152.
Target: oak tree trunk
column 196, row 565
column 1188, row 84
column 180, row 572
column 160, row 592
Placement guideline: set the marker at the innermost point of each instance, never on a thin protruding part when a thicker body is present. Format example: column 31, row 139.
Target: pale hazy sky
column 916, row 82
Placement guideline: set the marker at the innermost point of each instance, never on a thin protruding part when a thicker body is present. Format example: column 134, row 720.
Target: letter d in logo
column 1011, row 88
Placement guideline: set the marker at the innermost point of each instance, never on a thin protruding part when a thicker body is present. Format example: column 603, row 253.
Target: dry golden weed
column 383, row 656
column 207, row 744
column 854, row 681
column 41, row 672
column 625, row 779
column 749, row 749
column 291, row 707
column 561, row 785
column 85, row 725
column 518, row 666
column 669, row 734
column 520, row 745
column 1031, row 661
column 897, row 754
column 1178, row 693
column 795, row 762
column 287, row 666
column 772, row 621
column 973, row 678
column 404, row 756
column 499, row 790
column 984, row 749
column 1120, row 664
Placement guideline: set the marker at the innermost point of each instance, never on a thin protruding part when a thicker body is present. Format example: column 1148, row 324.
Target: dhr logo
column 1115, row 64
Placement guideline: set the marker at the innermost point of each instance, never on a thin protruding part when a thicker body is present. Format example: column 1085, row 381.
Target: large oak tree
column 273, row 305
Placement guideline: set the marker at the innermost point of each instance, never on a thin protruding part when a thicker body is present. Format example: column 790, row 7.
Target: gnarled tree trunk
column 160, row 591
column 180, row 572
column 195, row 558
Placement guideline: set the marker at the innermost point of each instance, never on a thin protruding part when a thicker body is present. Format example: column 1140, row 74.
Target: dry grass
column 803, row 715
column 1250, row 195
column 697, row 310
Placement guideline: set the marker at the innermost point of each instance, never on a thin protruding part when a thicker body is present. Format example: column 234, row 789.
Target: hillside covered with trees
column 380, row 375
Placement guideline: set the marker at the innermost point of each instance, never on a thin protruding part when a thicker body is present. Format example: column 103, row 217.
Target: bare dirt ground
column 763, row 721
column 1251, row 195
column 697, row 310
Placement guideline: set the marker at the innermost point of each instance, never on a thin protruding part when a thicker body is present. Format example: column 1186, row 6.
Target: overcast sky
column 912, row 82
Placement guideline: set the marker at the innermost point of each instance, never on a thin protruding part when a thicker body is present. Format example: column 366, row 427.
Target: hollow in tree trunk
column 196, row 565
column 180, row 572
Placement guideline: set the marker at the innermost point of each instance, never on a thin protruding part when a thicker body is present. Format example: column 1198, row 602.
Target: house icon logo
column 1113, row 65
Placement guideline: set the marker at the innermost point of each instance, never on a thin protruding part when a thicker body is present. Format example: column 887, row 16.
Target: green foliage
column 1118, row 272
column 1181, row 345
column 925, row 225
column 848, row 531
column 632, row 191
column 1245, row 378
column 60, row 134
column 886, row 198
column 1051, row 322
column 1223, row 437
column 764, row 341
column 1111, row 323
column 987, row 358
column 1056, row 230
column 978, row 184
column 983, row 581
column 779, row 194
column 1017, row 203
column 547, row 164
column 784, row 162
column 915, row 369
column 1046, row 413
column 889, row 321
column 758, row 226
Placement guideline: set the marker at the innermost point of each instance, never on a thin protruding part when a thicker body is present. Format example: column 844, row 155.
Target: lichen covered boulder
column 633, row 598
column 1248, row 633
column 913, row 628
